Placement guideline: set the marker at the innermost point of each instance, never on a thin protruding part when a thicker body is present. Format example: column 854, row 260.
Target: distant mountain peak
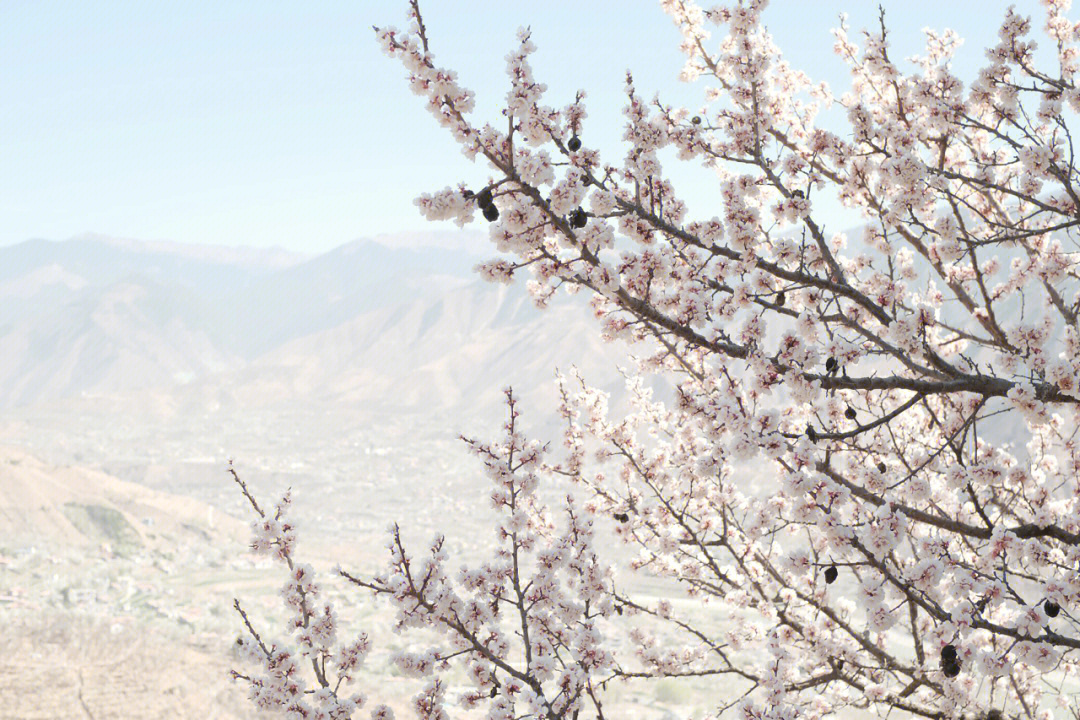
column 226, row 254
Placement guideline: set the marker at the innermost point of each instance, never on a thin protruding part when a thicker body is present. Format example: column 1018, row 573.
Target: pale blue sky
column 280, row 123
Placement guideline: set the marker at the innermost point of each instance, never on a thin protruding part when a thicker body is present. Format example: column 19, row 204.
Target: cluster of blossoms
column 869, row 469
column 524, row 627
column 281, row 683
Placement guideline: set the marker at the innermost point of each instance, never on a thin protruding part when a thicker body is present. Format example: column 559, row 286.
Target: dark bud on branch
column 483, row 198
column 950, row 663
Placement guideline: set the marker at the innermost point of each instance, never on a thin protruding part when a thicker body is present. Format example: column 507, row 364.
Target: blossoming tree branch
column 869, row 471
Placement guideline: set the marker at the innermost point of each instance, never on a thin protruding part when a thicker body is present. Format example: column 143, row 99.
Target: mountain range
column 398, row 323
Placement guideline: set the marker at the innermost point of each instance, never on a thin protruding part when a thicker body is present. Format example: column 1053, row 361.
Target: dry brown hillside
column 72, row 506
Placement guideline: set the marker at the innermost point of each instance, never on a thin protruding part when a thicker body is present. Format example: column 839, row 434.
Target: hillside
column 41, row 504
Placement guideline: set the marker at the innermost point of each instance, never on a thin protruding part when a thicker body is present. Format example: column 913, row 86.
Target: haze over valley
column 131, row 372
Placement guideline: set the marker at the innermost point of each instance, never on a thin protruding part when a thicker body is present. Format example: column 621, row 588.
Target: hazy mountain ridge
column 102, row 260
column 332, row 288
column 391, row 327
column 453, row 350
column 120, row 337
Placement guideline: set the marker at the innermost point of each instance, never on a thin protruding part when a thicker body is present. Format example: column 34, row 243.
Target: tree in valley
column 866, row 485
